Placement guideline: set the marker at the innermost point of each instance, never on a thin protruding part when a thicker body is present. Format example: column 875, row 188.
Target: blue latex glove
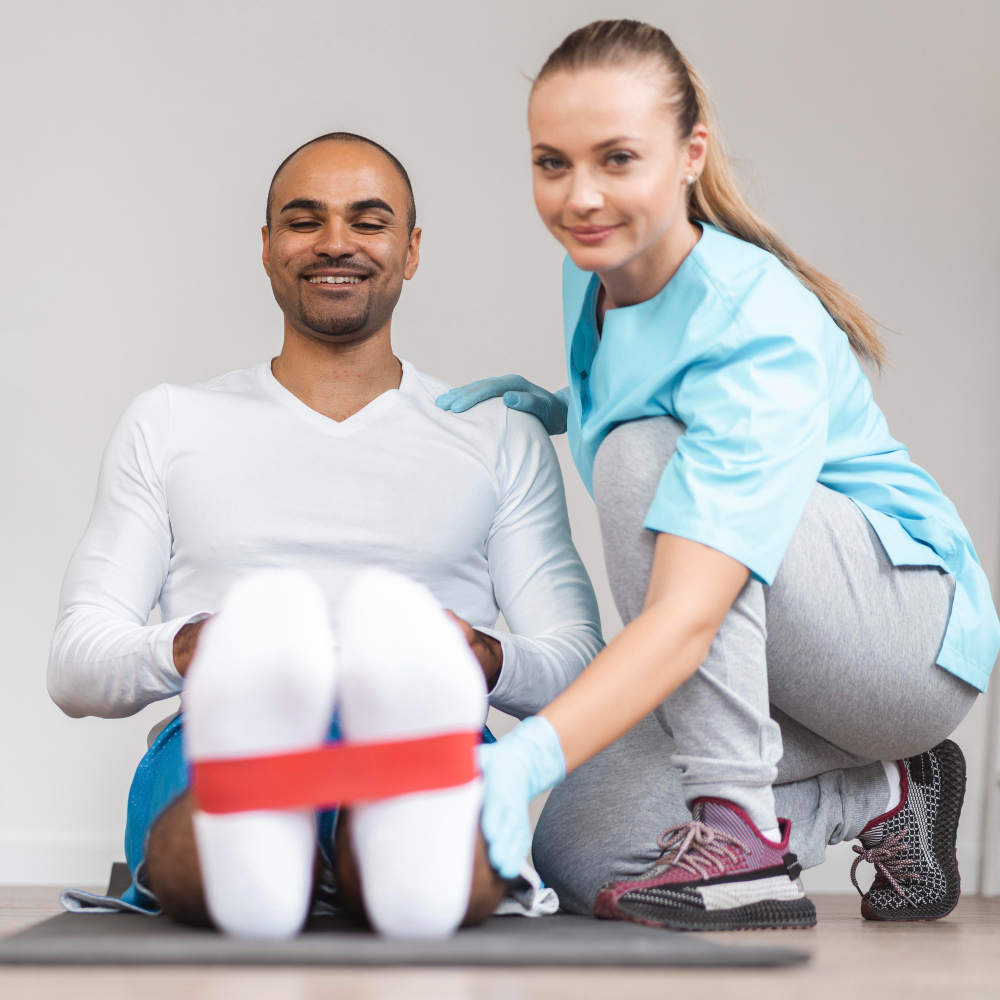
column 519, row 766
column 518, row 393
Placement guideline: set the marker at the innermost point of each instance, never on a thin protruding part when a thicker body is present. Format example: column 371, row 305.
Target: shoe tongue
column 919, row 769
column 869, row 838
column 722, row 816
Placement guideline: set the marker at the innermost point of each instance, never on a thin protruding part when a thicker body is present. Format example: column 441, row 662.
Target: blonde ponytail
column 716, row 197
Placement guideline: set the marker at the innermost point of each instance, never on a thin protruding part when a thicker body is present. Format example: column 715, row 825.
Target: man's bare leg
column 174, row 874
column 172, row 867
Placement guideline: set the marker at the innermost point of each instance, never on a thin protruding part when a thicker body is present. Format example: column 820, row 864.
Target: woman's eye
column 620, row 158
column 550, row 163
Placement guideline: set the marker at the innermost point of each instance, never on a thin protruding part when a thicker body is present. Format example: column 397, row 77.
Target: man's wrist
column 490, row 657
column 185, row 644
column 487, row 650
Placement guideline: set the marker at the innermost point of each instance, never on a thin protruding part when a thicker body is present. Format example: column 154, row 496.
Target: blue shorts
column 162, row 776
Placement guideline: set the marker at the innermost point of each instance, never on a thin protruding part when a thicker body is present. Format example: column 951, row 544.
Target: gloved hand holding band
column 526, row 762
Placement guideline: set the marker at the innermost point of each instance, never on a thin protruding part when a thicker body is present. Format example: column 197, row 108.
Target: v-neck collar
column 587, row 338
column 379, row 405
column 640, row 310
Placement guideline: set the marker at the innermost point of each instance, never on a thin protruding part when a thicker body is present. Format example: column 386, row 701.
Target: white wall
column 139, row 140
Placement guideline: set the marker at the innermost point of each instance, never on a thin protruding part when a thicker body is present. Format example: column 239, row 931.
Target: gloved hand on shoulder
column 518, row 393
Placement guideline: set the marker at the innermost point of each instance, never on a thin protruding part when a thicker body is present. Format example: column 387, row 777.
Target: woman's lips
column 592, row 234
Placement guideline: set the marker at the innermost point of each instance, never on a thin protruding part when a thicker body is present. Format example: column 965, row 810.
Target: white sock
column 773, row 835
column 895, row 784
column 263, row 681
column 407, row 672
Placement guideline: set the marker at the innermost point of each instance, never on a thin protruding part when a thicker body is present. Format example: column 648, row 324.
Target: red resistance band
column 335, row 774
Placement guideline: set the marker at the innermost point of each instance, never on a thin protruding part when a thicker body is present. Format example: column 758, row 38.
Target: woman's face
column 610, row 173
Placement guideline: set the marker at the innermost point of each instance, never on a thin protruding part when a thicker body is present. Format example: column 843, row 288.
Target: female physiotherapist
column 801, row 602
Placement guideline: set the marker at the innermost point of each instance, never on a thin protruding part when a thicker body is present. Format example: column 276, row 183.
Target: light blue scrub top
column 774, row 401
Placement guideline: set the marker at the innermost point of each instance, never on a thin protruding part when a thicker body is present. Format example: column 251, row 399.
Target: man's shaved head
column 411, row 208
column 339, row 241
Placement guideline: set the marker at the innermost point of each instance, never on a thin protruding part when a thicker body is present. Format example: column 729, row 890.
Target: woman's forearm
column 691, row 589
column 648, row 660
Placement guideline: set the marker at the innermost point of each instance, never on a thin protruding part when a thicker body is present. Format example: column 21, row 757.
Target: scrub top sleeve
column 756, row 416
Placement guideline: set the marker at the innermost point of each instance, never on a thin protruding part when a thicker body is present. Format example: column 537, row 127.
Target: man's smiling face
column 338, row 246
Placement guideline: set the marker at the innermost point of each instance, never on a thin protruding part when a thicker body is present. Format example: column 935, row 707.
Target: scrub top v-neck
column 773, row 401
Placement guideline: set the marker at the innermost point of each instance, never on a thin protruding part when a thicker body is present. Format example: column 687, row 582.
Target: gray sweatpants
column 809, row 684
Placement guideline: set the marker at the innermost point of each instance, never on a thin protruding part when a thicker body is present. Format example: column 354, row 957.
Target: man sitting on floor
column 325, row 461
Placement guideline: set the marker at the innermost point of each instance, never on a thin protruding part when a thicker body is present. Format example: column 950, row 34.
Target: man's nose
column 335, row 239
column 585, row 195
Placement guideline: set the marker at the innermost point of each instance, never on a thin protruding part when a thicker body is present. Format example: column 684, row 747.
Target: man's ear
column 412, row 255
column 266, row 252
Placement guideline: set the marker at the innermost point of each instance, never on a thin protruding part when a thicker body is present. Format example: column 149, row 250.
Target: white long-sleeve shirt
column 202, row 484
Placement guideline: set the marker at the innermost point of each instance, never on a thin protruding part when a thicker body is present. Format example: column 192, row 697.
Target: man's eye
column 370, row 227
column 550, row 163
column 302, row 225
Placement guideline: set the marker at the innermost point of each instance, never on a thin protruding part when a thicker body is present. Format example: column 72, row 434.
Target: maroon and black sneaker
column 716, row 873
column 913, row 846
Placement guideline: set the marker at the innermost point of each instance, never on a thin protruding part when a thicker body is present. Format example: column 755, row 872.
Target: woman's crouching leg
column 602, row 823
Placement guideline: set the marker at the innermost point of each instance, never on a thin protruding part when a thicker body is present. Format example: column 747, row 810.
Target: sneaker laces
column 699, row 849
column 890, row 861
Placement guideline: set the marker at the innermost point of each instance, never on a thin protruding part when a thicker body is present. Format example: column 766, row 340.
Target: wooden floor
column 851, row 960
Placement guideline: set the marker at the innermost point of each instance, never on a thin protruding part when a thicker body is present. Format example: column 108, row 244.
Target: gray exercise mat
column 132, row 939
column 83, row 938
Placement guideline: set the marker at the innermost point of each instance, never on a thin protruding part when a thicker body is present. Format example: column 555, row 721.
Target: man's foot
column 717, row 872
column 913, row 845
column 262, row 682
column 407, row 672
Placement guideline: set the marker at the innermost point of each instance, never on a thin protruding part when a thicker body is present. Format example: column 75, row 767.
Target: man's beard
column 327, row 320
column 330, row 323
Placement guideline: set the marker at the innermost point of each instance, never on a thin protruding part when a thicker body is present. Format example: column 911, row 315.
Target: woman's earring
column 691, row 179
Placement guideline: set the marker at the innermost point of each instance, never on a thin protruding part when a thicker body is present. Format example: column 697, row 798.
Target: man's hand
column 488, row 650
column 185, row 643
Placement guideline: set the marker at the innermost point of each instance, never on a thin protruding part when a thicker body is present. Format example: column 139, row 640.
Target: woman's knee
column 566, row 850
column 627, row 471
column 584, row 834
column 632, row 457
column 602, row 823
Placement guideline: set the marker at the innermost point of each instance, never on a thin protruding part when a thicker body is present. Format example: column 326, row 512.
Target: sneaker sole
column 766, row 914
column 953, row 782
